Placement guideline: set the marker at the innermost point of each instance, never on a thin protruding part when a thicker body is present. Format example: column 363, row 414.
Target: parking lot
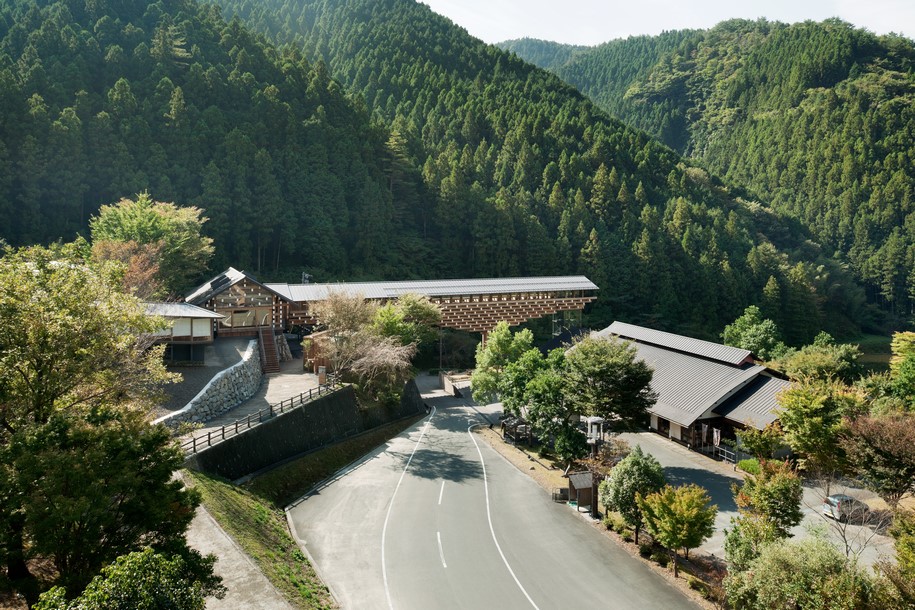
column 683, row 466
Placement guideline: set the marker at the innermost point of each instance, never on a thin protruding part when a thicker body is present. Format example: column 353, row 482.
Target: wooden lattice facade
column 481, row 313
column 469, row 305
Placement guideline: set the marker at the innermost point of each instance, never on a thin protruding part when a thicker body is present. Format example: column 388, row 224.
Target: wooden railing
column 218, row 435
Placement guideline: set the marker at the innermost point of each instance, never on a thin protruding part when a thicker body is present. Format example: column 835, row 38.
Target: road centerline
column 384, row 528
column 440, row 492
column 489, row 518
column 441, row 551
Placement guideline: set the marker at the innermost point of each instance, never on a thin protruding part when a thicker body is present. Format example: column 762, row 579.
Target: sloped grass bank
column 289, row 482
column 253, row 513
column 260, row 529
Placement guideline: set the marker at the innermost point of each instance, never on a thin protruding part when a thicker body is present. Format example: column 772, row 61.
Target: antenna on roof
column 306, row 278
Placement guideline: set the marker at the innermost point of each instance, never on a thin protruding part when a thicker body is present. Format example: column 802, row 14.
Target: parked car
column 842, row 506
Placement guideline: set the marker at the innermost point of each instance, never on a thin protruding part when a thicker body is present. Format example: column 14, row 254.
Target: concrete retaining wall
column 226, row 390
column 325, row 421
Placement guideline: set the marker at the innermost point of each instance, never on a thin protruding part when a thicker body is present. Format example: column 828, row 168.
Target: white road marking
column 384, row 529
column 489, row 517
column 441, row 553
column 440, row 492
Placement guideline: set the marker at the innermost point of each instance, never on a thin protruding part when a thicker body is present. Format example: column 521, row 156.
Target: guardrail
column 218, row 435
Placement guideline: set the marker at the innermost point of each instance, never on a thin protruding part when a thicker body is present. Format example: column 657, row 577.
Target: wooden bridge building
column 474, row 305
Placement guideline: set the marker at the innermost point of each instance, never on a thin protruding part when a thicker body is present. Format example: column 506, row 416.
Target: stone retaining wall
column 226, row 390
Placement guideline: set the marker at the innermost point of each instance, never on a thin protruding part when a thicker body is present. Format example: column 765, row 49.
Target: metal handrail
column 218, row 435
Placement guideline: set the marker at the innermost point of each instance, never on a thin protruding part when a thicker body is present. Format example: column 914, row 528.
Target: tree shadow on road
column 433, row 464
column 717, row 485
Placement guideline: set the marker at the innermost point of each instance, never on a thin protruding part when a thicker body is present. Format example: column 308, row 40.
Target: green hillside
column 430, row 155
column 529, row 177
column 543, row 53
column 102, row 100
column 815, row 118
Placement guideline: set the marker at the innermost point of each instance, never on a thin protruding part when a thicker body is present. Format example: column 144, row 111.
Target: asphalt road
column 437, row 519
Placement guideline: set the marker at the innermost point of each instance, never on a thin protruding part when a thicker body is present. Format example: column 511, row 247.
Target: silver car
column 842, row 507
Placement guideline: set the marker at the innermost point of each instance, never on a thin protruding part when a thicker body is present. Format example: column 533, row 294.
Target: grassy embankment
column 875, row 350
column 253, row 513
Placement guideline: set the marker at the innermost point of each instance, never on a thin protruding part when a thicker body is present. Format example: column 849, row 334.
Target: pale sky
column 591, row 22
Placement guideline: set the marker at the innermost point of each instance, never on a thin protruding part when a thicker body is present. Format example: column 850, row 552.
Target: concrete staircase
column 270, row 361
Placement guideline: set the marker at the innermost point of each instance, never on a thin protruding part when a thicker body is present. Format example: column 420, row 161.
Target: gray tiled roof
column 179, row 310
column 697, row 347
column 434, row 288
column 753, row 405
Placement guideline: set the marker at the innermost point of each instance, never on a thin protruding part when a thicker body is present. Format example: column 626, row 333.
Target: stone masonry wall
column 226, row 390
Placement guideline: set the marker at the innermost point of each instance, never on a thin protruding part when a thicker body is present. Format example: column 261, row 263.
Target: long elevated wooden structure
column 474, row 305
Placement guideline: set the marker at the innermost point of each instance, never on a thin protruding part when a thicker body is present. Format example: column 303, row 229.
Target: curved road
column 461, row 528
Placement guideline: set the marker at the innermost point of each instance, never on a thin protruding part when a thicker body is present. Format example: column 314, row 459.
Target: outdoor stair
column 270, row 361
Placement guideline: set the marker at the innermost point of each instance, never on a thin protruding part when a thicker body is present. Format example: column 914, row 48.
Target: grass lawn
column 253, row 514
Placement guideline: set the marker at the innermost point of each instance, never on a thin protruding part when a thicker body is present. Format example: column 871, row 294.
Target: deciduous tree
column 881, row 452
column 144, row 580
column 606, row 378
column 176, row 231
column 751, row 332
column 809, row 573
column 774, row 494
column 502, row 347
column 637, row 474
column 678, row 517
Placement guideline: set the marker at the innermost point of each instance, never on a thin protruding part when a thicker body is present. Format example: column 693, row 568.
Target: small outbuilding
column 580, row 489
column 190, row 330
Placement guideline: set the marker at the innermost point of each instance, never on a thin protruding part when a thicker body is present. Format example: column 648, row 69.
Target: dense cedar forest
column 378, row 140
column 525, row 176
column 815, row 118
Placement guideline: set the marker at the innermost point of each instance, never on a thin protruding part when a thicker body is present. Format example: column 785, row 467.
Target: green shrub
column 661, row 558
column 645, row 549
column 627, row 535
column 698, row 585
column 750, row 466
column 615, row 522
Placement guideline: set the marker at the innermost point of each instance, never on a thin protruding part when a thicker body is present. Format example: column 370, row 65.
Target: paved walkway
column 246, row 585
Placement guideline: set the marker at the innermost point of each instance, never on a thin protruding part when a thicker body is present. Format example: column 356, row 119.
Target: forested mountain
column 543, row 53
column 528, row 177
column 101, row 100
column 465, row 162
column 816, row 118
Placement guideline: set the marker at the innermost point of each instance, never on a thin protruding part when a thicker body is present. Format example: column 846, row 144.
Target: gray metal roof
column 697, row 347
column 229, row 277
column 434, row 288
column 687, row 386
column 179, row 310
column 755, row 404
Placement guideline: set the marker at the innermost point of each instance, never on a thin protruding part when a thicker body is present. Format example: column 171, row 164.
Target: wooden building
column 705, row 390
column 190, row 330
column 474, row 305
